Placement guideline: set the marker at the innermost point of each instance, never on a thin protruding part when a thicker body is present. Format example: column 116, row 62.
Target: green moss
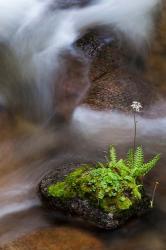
column 112, row 186
column 58, row 190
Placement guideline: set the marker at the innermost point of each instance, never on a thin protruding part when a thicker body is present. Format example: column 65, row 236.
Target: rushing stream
column 21, row 170
column 42, row 125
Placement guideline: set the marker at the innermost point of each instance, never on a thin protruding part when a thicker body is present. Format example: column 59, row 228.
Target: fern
column 146, row 167
column 112, row 156
column 138, row 157
column 100, row 165
column 130, row 158
column 133, row 164
column 113, row 185
column 123, row 169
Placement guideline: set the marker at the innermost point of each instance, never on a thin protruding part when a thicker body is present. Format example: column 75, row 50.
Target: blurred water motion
column 43, row 79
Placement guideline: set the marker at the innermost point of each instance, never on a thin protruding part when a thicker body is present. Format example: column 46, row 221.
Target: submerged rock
column 59, row 238
column 82, row 208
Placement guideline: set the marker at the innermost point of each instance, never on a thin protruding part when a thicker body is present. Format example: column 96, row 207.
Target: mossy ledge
column 83, row 209
column 107, row 194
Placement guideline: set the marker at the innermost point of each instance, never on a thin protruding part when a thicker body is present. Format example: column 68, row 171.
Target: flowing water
column 41, row 125
column 23, row 164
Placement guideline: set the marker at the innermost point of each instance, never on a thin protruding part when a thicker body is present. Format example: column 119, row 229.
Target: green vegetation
column 112, row 186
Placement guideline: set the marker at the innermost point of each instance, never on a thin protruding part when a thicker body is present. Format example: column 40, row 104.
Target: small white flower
column 136, row 106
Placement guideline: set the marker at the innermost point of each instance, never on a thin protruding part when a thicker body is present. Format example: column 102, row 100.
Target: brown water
column 28, row 152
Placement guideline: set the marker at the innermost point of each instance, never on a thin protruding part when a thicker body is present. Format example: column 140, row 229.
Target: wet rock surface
column 61, row 238
column 156, row 63
column 84, row 209
column 114, row 82
column 145, row 234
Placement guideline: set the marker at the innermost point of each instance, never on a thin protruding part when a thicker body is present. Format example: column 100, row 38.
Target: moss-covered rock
column 85, row 210
column 107, row 194
column 104, row 187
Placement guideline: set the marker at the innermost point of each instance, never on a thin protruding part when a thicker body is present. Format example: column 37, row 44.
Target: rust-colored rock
column 156, row 63
column 115, row 83
column 61, row 238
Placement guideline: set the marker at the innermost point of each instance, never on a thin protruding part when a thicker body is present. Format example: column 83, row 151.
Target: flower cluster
column 136, row 106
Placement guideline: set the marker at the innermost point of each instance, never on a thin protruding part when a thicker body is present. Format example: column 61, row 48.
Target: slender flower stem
column 136, row 107
column 154, row 192
column 135, row 134
column 135, row 131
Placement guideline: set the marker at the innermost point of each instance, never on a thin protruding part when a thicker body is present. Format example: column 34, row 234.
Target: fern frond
column 130, row 158
column 100, row 165
column 112, row 155
column 151, row 164
column 146, row 167
column 123, row 169
column 138, row 157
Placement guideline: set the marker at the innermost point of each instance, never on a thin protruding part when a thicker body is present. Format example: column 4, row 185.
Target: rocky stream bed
column 114, row 86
